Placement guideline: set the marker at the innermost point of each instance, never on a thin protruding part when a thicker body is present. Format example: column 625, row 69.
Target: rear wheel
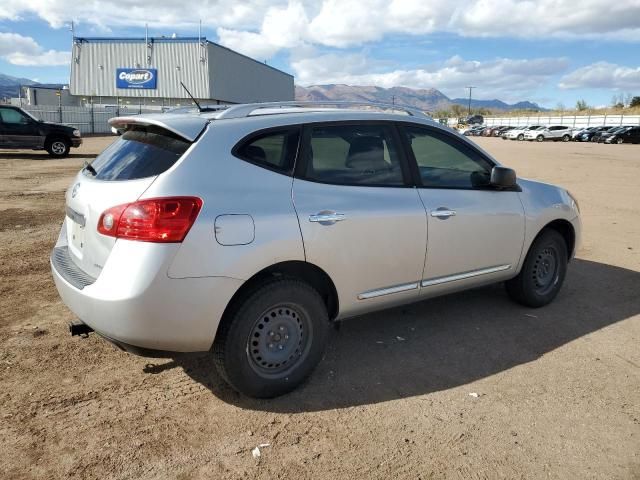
column 619, row 141
column 273, row 339
column 521, row 137
column 566, row 138
column 540, row 138
column 58, row 147
column 543, row 271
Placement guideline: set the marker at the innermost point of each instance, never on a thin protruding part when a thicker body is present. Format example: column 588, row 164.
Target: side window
column 353, row 155
column 11, row 116
column 444, row 162
column 275, row 149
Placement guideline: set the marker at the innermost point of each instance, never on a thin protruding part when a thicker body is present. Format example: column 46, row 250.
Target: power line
column 470, row 88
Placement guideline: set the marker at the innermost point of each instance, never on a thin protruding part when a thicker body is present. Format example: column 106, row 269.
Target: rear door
column 361, row 220
column 476, row 233
column 19, row 130
column 119, row 175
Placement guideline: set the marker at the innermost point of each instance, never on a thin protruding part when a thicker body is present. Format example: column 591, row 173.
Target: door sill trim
column 462, row 276
column 388, row 291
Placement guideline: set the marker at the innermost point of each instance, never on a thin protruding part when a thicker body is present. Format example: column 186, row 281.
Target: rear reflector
column 161, row 220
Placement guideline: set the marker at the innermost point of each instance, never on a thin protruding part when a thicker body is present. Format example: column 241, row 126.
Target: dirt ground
column 558, row 389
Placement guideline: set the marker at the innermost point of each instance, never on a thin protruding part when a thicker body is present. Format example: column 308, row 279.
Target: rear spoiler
column 185, row 126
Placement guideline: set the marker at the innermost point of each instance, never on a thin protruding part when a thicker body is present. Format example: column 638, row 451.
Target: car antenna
column 194, row 100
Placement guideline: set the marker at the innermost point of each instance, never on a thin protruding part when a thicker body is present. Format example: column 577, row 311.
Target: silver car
column 248, row 231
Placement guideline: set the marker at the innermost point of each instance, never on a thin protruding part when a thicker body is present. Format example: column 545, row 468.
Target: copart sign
column 136, row 78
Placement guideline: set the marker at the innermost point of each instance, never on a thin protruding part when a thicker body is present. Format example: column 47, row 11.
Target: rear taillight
column 162, row 220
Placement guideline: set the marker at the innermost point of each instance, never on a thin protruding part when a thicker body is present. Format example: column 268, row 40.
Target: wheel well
column 52, row 136
column 564, row 228
column 307, row 272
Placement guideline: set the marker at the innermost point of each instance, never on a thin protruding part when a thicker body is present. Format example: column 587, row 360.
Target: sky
column 552, row 52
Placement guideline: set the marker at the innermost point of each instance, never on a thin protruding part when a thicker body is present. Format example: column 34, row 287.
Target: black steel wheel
column 272, row 338
column 543, row 271
column 58, row 147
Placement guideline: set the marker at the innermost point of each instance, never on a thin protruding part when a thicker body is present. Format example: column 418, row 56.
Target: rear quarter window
column 139, row 153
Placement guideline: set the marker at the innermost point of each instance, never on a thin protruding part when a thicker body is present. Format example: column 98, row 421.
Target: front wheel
column 566, row 138
column 619, row 141
column 273, row 338
column 543, row 271
column 521, row 137
column 58, row 147
column 540, row 138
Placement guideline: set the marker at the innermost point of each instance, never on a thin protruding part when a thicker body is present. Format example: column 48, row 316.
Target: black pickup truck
column 20, row 130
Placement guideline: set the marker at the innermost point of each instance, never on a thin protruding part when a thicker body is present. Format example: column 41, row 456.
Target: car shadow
column 41, row 155
column 442, row 343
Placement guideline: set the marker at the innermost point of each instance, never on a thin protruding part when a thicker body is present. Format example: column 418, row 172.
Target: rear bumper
column 134, row 303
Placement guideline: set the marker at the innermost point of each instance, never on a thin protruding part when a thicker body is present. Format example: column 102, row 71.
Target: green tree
column 635, row 102
column 581, row 105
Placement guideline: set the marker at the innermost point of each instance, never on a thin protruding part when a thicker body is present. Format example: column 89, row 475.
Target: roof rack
column 244, row 110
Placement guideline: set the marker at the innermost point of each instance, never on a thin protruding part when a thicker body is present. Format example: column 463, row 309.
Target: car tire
column 566, row 138
column 619, row 141
column 58, row 147
column 520, row 137
column 540, row 138
column 272, row 338
column 542, row 273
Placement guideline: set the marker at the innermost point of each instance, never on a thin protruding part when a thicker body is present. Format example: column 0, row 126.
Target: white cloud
column 279, row 24
column 603, row 75
column 25, row 51
column 506, row 78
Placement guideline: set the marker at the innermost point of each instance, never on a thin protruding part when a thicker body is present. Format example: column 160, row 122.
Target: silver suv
column 248, row 231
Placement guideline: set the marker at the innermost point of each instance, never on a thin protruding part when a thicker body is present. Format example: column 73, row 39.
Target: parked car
column 624, row 135
column 473, row 131
column 473, row 120
column 578, row 132
column 504, row 130
column 491, row 131
column 21, row 130
column 598, row 134
column 552, row 132
column 589, row 134
column 601, row 138
column 518, row 133
column 307, row 216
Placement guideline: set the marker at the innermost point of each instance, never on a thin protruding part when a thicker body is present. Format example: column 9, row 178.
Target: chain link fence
column 89, row 120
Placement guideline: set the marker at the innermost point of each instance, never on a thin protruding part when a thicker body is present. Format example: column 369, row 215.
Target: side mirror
column 503, row 177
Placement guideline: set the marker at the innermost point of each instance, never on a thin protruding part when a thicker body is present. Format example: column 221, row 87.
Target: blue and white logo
column 136, row 78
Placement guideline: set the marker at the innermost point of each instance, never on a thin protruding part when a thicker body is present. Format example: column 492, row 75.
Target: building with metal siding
column 148, row 72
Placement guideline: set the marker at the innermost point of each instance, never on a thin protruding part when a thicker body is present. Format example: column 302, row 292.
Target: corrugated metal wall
column 210, row 71
column 94, row 64
column 239, row 79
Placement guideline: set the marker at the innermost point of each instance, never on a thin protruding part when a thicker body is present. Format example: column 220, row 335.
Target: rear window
column 142, row 151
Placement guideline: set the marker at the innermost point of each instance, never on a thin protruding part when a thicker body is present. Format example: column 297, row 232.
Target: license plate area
column 75, row 232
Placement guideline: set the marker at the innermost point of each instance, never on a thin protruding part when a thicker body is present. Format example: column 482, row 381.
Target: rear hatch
column 119, row 175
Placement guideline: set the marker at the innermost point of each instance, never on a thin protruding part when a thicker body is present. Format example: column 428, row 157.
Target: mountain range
column 428, row 99
column 9, row 85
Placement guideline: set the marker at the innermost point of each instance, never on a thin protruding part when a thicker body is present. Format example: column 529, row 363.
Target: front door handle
column 327, row 218
column 443, row 213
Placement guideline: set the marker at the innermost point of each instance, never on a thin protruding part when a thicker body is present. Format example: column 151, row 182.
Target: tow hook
column 80, row 328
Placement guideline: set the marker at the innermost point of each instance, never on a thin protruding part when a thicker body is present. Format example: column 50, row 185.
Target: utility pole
column 393, row 99
column 470, row 88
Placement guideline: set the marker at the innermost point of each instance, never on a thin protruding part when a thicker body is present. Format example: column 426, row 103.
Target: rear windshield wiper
column 87, row 166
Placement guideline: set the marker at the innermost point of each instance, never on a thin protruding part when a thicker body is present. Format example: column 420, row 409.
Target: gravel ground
column 556, row 390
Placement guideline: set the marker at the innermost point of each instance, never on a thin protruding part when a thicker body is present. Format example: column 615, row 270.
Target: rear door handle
column 443, row 213
column 327, row 217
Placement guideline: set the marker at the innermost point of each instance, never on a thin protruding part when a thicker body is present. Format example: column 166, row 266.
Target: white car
column 552, row 132
column 248, row 231
column 518, row 133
